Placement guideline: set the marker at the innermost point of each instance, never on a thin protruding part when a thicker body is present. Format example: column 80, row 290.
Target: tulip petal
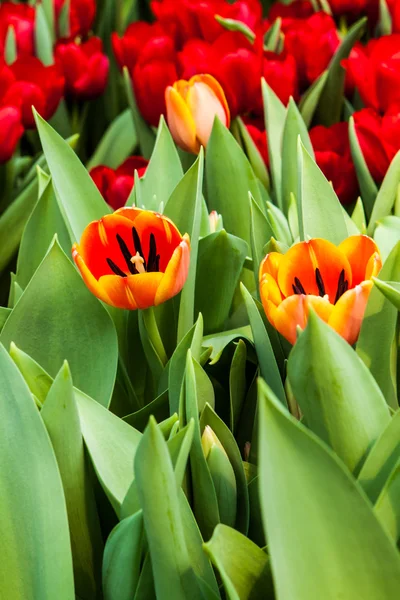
column 359, row 250
column 217, row 88
column 293, row 312
column 348, row 312
column 176, row 272
column 301, row 261
column 204, row 105
column 132, row 292
column 269, row 290
column 270, row 265
column 180, row 121
column 90, row 281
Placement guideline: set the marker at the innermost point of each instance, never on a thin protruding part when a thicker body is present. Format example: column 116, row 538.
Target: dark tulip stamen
column 126, row 254
column 298, row 287
column 320, row 282
column 115, row 268
column 343, row 286
column 151, row 261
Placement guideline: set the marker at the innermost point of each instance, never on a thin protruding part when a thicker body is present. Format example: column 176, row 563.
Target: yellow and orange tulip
column 335, row 281
column 133, row 258
column 191, row 108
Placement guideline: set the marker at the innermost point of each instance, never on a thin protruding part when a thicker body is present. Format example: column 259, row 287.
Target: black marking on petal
column 298, row 286
column 320, row 282
column 115, row 268
column 151, row 261
column 343, row 286
column 126, row 254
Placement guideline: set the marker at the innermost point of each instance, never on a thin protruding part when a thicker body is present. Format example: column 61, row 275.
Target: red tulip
column 299, row 9
column 280, row 73
column 22, row 19
column 81, row 16
column 85, row 67
column 332, row 153
column 350, row 8
column 32, row 84
column 11, row 131
column 128, row 47
column 115, row 185
column 259, row 137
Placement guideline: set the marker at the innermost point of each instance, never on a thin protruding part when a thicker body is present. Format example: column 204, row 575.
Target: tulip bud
column 222, row 474
column 215, row 220
column 191, row 109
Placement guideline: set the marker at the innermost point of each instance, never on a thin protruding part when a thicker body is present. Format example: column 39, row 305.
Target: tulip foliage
column 200, row 296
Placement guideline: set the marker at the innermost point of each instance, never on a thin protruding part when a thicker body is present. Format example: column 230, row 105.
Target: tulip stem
column 150, row 323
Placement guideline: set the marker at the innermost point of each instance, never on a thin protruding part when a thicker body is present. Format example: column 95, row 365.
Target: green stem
column 150, row 323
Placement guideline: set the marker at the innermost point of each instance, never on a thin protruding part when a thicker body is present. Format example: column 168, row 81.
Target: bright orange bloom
column 191, row 108
column 335, row 281
column 133, row 258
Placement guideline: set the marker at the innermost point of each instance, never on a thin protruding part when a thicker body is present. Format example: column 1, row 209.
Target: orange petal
column 293, row 312
column 270, row 265
column 269, row 290
column 118, row 291
column 216, row 87
column 374, row 266
column 301, row 262
column 180, row 121
column 359, row 250
column 90, row 281
column 348, row 312
column 205, row 105
column 176, row 272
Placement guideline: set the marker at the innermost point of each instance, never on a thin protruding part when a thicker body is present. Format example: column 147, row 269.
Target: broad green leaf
column 387, row 194
column 358, row 216
column 144, row 132
column 324, row 372
column 56, row 296
column 268, row 366
column 117, row 142
column 381, row 460
column 225, row 436
column 60, row 415
column 80, row 200
column 43, row 37
column 36, row 556
column 295, row 464
column 275, row 116
column 279, row 224
column 244, row 568
column 45, row 221
column 253, row 154
column 293, row 129
column 380, row 322
column 390, row 289
column 221, row 258
column 387, row 234
column 229, row 178
column 159, row 499
column 260, row 233
column 164, row 171
column 320, row 212
column 237, row 384
column 179, row 447
column 331, row 100
column 219, row 341
column 368, row 188
column 158, row 407
column 310, row 99
column 387, row 507
column 111, row 444
column 4, row 314
column 122, row 558
column 36, row 378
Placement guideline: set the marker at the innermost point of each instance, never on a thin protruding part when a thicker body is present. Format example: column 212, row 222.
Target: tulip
column 115, row 185
column 191, row 108
column 81, row 16
column 11, row 131
column 133, row 258
column 127, row 48
column 22, row 19
column 335, row 281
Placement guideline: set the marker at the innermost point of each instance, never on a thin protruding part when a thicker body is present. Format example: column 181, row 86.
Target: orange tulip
column 335, row 281
column 133, row 258
column 191, row 108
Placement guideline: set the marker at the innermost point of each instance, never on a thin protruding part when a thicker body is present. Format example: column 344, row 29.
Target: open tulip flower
column 335, row 281
column 191, row 108
column 133, row 258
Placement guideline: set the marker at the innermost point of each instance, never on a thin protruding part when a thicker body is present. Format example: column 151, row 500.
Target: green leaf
column 299, row 477
column 117, row 142
column 55, row 296
column 45, row 221
column 387, row 507
column 390, row 289
column 381, row 460
column 275, row 116
column 158, row 407
column 385, row 26
column 310, row 99
column 122, row 558
column 60, row 415
column 4, row 314
column 273, row 36
column 38, row 381
column 159, row 499
column 219, row 341
column 331, row 100
column 221, row 258
column 268, row 367
column 243, row 566
column 358, row 216
column 80, row 200
column 237, row 384
column 320, row 212
column 380, row 322
column 260, row 233
column 253, row 154
column 279, row 224
column 324, row 371
column 179, row 447
column 34, row 542
column 234, row 25
column 229, row 178
column 387, row 194
column 111, row 444
column 164, row 171
column 43, row 37
column 225, row 436
column 144, row 132
column 10, row 46
column 387, row 234
column 368, row 188
column 294, row 128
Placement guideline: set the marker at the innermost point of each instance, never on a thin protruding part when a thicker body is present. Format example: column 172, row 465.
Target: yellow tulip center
column 134, row 261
